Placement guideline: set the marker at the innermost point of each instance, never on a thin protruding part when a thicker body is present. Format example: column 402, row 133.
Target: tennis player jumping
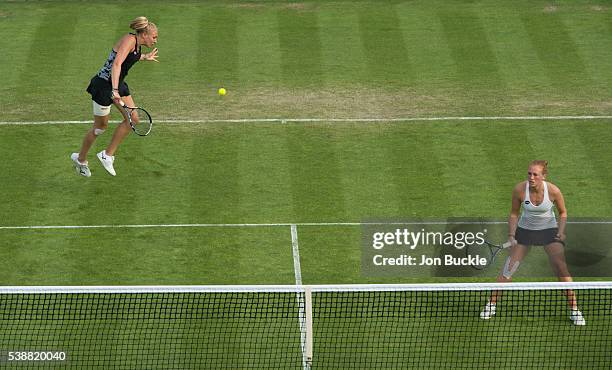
column 537, row 226
column 108, row 87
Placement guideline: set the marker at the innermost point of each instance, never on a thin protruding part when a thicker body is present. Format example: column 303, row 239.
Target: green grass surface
column 281, row 59
column 277, row 59
column 326, row 59
column 266, row 173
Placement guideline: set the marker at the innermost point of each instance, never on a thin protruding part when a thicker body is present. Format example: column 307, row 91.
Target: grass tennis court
column 349, row 72
column 269, row 173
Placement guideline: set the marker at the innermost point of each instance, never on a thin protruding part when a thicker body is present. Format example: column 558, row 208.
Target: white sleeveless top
column 537, row 217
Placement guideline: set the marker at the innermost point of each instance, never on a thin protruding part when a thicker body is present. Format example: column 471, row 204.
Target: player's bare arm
column 123, row 47
column 517, row 196
column 557, row 197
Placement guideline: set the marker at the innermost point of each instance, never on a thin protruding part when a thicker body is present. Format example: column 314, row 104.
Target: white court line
column 282, row 224
column 314, row 120
column 299, row 294
column 296, row 256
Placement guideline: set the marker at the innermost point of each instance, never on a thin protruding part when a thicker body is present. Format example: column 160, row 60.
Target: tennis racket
column 486, row 250
column 140, row 120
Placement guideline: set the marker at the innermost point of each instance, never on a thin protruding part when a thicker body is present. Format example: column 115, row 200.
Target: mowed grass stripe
column 385, row 50
column 366, row 173
column 148, row 257
column 556, row 49
column 45, row 64
column 23, row 196
column 331, row 255
column 177, row 174
column 591, row 32
column 464, row 160
column 218, row 46
column 214, row 184
column 467, row 163
column 301, row 56
column 470, row 48
column 19, row 24
column 173, row 163
column 259, row 47
column 316, row 187
column 598, row 158
column 411, row 152
column 342, row 51
column 427, row 46
column 469, row 156
column 519, row 66
column 265, row 186
column 186, row 96
column 139, row 162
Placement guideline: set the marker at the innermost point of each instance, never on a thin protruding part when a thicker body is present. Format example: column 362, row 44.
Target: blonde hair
column 541, row 163
column 142, row 25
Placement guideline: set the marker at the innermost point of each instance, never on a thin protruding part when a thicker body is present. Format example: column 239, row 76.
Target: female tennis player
column 108, row 87
column 537, row 226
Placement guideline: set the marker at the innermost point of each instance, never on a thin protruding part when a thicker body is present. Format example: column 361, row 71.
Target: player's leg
column 99, row 127
column 100, row 124
column 556, row 257
column 516, row 255
column 107, row 156
column 123, row 129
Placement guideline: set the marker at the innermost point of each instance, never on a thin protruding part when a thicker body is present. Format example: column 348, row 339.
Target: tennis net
column 321, row 326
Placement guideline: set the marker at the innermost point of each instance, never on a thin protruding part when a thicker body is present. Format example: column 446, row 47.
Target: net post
column 309, row 334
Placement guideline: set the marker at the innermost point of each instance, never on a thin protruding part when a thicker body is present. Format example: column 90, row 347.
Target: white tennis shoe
column 81, row 168
column 107, row 162
column 488, row 311
column 577, row 318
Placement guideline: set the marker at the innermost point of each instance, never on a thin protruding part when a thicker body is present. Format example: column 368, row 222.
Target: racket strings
column 479, row 251
column 140, row 121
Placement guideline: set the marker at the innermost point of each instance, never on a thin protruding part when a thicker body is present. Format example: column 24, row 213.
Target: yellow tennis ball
column 222, row 91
